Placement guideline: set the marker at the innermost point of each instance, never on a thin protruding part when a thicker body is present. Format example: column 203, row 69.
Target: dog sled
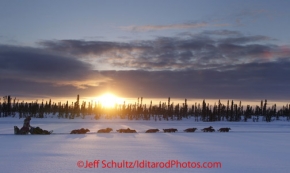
column 32, row 130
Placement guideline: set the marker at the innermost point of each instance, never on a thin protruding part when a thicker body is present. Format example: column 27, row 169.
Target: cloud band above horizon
column 211, row 64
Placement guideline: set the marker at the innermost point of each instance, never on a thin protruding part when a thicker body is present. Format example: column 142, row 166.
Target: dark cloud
column 209, row 49
column 255, row 81
column 40, row 66
column 165, row 27
column 37, row 61
column 80, row 47
column 216, row 65
column 246, row 39
column 247, row 81
column 24, row 88
column 222, row 33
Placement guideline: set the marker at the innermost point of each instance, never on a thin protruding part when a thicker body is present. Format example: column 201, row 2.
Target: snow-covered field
column 248, row 147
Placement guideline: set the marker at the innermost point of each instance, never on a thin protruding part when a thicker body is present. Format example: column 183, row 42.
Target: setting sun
column 108, row 100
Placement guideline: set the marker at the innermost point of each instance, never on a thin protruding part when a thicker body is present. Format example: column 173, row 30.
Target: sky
column 204, row 49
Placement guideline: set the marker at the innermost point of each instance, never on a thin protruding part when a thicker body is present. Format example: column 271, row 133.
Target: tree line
column 163, row 111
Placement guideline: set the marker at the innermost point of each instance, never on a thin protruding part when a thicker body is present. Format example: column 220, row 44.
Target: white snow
column 248, row 147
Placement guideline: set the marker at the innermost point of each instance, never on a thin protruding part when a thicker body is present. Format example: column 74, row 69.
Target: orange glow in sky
column 109, row 100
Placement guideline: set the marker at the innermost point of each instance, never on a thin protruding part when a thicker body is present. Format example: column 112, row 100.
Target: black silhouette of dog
column 122, row 130
column 17, row 131
column 211, row 130
column 225, row 129
column 190, row 130
column 208, row 129
column 107, row 130
column 131, row 131
column 170, row 130
column 128, row 130
column 39, row 131
column 152, row 131
column 80, row 131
